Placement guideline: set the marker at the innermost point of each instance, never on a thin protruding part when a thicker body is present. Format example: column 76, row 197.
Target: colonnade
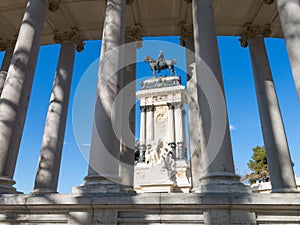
column 211, row 172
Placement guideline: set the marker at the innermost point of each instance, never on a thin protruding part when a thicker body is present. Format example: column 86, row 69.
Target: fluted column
column 103, row 174
column 217, row 167
column 277, row 150
column 171, row 126
column 142, row 146
column 150, row 124
column 8, row 47
column 16, row 93
column 50, row 157
column 179, row 130
column 289, row 13
column 132, row 40
column 194, row 122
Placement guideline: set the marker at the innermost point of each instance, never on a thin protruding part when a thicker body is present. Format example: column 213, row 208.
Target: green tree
column 258, row 165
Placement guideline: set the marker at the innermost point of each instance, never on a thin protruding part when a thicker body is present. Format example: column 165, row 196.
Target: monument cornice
column 251, row 31
column 73, row 36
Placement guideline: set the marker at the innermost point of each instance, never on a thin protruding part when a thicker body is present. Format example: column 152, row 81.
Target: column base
column 285, row 190
column 38, row 191
column 222, row 182
column 96, row 184
column 6, row 186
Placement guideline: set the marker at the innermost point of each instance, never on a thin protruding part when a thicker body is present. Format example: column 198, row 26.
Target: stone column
column 289, row 13
column 194, row 122
column 8, row 47
column 3, row 75
column 171, row 126
column 150, row 124
column 16, row 93
column 217, row 167
column 132, row 40
column 46, row 179
column 277, row 150
column 103, row 174
column 142, row 146
column 179, row 130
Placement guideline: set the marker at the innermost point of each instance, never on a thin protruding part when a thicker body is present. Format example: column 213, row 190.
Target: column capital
column 53, row 5
column 73, row 36
column 186, row 30
column 143, row 108
column 134, row 33
column 150, row 108
column 251, row 30
column 177, row 105
column 5, row 44
column 268, row 2
column 170, row 105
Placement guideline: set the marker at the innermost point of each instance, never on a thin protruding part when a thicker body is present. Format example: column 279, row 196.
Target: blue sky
column 239, row 89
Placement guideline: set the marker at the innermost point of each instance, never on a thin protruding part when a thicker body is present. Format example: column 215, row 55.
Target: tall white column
column 16, row 93
column 142, row 146
column 194, row 122
column 289, row 13
column 9, row 49
column 171, row 126
column 277, row 150
column 150, row 124
column 103, row 174
column 127, row 155
column 217, row 167
column 179, row 130
column 50, row 157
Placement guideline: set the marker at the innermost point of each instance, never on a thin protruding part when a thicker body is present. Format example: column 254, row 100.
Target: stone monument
column 162, row 164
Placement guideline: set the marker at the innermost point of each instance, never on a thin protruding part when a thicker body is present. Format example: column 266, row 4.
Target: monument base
column 156, row 178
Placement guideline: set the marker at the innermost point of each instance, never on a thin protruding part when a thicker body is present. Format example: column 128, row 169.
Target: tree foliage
column 258, row 165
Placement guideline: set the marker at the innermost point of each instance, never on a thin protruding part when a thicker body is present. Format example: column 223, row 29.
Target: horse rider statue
column 160, row 64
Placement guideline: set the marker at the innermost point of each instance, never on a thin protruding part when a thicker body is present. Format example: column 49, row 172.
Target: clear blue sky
column 240, row 95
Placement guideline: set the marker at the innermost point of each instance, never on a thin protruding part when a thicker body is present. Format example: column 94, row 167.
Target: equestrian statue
column 160, row 64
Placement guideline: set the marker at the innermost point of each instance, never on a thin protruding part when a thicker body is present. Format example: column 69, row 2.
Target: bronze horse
column 158, row 65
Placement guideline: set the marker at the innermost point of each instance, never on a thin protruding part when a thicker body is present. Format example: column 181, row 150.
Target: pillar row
column 277, row 150
column 52, row 144
column 16, row 93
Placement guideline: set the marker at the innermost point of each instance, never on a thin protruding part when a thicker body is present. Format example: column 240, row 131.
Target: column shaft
column 179, row 130
column 50, row 157
column 128, row 117
column 142, row 146
column 289, row 13
column 105, row 146
column 7, row 58
column 150, row 124
column 206, row 49
column 143, row 127
column 194, row 122
column 278, row 155
column 171, row 127
column 16, row 93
